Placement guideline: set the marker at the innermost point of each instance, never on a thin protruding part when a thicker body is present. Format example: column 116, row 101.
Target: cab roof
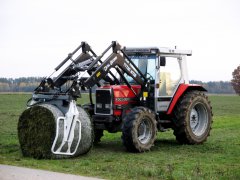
column 155, row 50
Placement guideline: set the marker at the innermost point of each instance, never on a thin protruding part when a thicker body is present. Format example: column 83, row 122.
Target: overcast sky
column 35, row 35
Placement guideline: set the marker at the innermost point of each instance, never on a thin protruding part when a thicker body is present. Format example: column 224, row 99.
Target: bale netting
column 37, row 129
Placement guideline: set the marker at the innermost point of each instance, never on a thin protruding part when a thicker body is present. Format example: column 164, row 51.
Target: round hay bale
column 87, row 132
column 37, row 129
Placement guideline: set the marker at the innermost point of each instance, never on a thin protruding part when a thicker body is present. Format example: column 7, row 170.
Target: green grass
column 218, row 158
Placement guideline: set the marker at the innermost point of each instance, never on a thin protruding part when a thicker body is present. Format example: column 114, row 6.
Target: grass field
column 218, row 158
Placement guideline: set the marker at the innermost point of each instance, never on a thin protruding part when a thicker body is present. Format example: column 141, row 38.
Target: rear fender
column 182, row 89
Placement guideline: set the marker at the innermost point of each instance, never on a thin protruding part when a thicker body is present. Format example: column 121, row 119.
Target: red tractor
column 138, row 91
column 153, row 94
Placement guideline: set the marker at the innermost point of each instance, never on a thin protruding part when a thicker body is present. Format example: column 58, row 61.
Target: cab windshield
column 146, row 64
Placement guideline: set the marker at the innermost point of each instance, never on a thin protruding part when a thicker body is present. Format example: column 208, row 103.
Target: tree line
column 28, row 84
column 216, row 87
column 22, row 84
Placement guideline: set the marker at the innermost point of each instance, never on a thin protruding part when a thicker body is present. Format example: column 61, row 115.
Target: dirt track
column 17, row 173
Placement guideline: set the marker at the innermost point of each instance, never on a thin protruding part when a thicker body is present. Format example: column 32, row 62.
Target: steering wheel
column 150, row 76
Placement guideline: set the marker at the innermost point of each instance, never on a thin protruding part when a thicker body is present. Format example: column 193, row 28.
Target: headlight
column 107, row 106
column 99, row 105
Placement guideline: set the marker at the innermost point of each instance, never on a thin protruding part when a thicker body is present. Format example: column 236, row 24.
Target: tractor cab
column 165, row 70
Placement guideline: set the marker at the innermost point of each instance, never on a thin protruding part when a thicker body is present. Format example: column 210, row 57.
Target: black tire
column 139, row 120
column 98, row 134
column 193, row 118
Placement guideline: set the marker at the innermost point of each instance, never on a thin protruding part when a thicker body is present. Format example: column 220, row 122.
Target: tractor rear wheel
column 139, row 129
column 193, row 118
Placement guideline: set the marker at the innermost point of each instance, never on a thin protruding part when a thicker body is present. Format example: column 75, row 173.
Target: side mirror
column 162, row 61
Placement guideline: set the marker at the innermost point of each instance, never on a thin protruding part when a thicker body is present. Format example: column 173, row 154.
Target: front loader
column 53, row 125
column 138, row 91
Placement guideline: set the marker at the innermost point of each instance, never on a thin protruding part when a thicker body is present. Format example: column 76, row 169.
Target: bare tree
column 236, row 80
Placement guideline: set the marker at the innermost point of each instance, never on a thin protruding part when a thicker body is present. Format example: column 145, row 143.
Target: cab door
column 168, row 78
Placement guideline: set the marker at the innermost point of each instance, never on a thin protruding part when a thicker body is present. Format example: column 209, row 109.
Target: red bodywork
column 123, row 95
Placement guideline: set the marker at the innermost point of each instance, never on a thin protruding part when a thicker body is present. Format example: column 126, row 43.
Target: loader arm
column 73, row 68
column 119, row 61
column 77, row 65
column 84, row 59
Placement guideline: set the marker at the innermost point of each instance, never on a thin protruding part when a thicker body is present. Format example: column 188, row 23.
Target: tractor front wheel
column 98, row 134
column 193, row 118
column 139, row 129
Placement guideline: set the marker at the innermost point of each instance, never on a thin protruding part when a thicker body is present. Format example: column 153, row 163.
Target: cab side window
column 170, row 76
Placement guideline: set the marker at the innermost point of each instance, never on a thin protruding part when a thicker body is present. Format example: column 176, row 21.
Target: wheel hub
column 198, row 119
column 144, row 132
column 194, row 118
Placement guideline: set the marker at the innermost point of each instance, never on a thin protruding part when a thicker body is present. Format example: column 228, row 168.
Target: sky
column 36, row 35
